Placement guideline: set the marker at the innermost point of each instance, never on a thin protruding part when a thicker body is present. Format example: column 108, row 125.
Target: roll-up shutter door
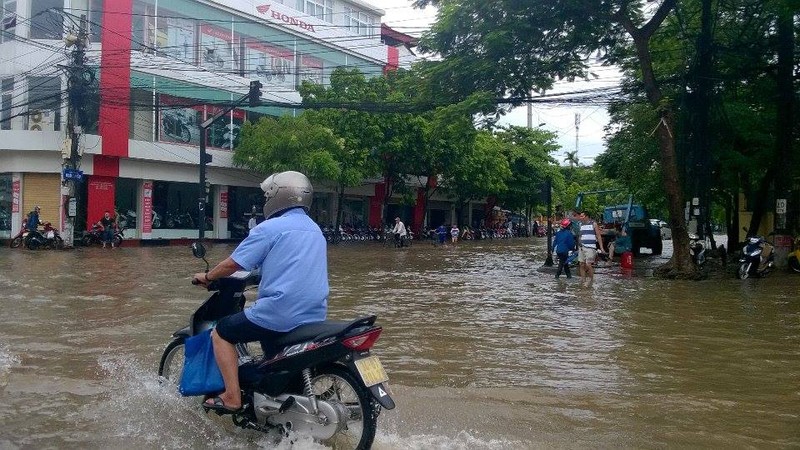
column 43, row 189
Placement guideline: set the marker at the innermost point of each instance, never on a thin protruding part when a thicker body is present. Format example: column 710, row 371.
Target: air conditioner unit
column 41, row 120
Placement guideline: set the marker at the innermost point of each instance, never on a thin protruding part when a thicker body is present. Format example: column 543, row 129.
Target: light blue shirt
column 292, row 253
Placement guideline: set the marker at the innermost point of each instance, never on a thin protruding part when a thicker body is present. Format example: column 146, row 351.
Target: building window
column 321, row 9
column 44, row 103
column 5, row 105
column 93, row 10
column 9, row 20
column 46, row 22
column 359, row 22
column 6, row 203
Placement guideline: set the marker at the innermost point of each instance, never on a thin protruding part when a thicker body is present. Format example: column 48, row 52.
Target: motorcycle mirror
column 198, row 250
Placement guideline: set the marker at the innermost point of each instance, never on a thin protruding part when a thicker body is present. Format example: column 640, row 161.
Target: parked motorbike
column 126, row 220
column 319, row 379
column 794, row 256
column 20, row 237
column 47, row 238
column 697, row 249
column 757, row 258
column 95, row 236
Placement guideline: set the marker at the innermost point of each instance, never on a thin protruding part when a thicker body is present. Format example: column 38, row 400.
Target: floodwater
column 484, row 350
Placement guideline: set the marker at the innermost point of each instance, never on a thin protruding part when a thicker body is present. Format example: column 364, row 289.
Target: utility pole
column 577, row 129
column 548, row 261
column 253, row 99
column 78, row 77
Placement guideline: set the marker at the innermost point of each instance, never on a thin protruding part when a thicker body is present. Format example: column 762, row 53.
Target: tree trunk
column 680, row 265
column 786, row 98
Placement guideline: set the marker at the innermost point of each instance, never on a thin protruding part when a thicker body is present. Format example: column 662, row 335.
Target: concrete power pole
column 577, row 129
column 78, row 77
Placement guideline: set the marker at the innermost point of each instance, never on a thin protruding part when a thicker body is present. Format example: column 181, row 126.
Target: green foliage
column 528, row 153
column 290, row 143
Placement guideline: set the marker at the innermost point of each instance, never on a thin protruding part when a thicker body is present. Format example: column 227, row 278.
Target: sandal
column 218, row 405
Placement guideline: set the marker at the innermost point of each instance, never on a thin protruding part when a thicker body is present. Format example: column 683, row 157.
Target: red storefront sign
column 15, row 196
column 223, row 205
column 147, row 207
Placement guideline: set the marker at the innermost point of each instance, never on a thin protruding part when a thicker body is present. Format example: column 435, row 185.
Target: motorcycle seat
column 317, row 331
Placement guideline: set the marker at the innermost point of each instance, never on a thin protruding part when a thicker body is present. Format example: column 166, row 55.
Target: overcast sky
column 559, row 119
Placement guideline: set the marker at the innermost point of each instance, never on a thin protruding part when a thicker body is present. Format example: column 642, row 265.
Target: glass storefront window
column 46, row 21
column 5, row 205
column 175, row 206
column 44, row 97
column 241, row 203
column 125, row 200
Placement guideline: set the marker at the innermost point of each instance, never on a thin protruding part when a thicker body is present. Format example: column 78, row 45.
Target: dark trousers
column 563, row 265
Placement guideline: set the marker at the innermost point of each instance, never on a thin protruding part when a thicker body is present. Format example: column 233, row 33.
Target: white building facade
column 160, row 66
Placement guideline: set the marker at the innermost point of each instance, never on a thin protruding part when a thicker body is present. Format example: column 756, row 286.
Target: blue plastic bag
column 201, row 374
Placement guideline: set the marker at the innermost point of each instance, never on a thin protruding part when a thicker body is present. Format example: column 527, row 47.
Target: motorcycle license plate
column 371, row 371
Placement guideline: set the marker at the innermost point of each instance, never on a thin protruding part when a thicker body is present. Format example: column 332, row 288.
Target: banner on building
column 271, row 65
column 311, row 69
column 180, row 123
column 15, row 196
column 147, row 209
column 218, row 51
column 223, row 205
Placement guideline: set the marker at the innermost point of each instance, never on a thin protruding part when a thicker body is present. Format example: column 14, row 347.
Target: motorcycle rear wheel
column 58, row 242
column 744, row 271
column 116, row 240
column 88, row 240
column 170, row 368
column 336, row 384
column 16, row 242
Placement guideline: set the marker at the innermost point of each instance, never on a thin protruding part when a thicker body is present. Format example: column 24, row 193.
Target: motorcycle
column 697, row 249
column 47, row 238
column 757, row 258
column 319, row 379
column 126, row 220
column 95, row 236
column 794, row 256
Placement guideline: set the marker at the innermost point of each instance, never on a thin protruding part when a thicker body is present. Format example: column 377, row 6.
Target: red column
column 376, row 206
column 419, row 211
column 115, row 76
column 101, row 192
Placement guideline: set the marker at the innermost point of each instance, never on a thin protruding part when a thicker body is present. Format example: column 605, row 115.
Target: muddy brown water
column 483, row 348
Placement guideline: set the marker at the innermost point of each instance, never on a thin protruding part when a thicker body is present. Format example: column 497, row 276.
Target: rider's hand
column 200, row 279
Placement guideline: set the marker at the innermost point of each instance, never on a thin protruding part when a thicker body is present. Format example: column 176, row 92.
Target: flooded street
column 484, row 351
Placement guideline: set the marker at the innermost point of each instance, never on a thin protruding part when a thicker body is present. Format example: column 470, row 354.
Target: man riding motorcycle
column 290, row 250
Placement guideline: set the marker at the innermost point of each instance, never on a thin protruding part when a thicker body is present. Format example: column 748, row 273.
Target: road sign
column 780, row 206
column 73, row 174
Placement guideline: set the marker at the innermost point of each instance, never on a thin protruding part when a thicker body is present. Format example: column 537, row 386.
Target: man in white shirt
column 399, row 232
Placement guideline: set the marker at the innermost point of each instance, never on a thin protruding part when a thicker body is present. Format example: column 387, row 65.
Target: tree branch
column 652, row 25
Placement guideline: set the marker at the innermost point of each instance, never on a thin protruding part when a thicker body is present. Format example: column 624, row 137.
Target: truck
column 643, row 233
column 634, row 218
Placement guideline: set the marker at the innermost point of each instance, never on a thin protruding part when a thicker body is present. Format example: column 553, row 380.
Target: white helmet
column 284, row 190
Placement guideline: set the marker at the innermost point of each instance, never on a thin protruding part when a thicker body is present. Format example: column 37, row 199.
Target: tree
column 510, row 47
column 293, row 143
column 571, row 158
column 480, row 170
column 529, row 156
